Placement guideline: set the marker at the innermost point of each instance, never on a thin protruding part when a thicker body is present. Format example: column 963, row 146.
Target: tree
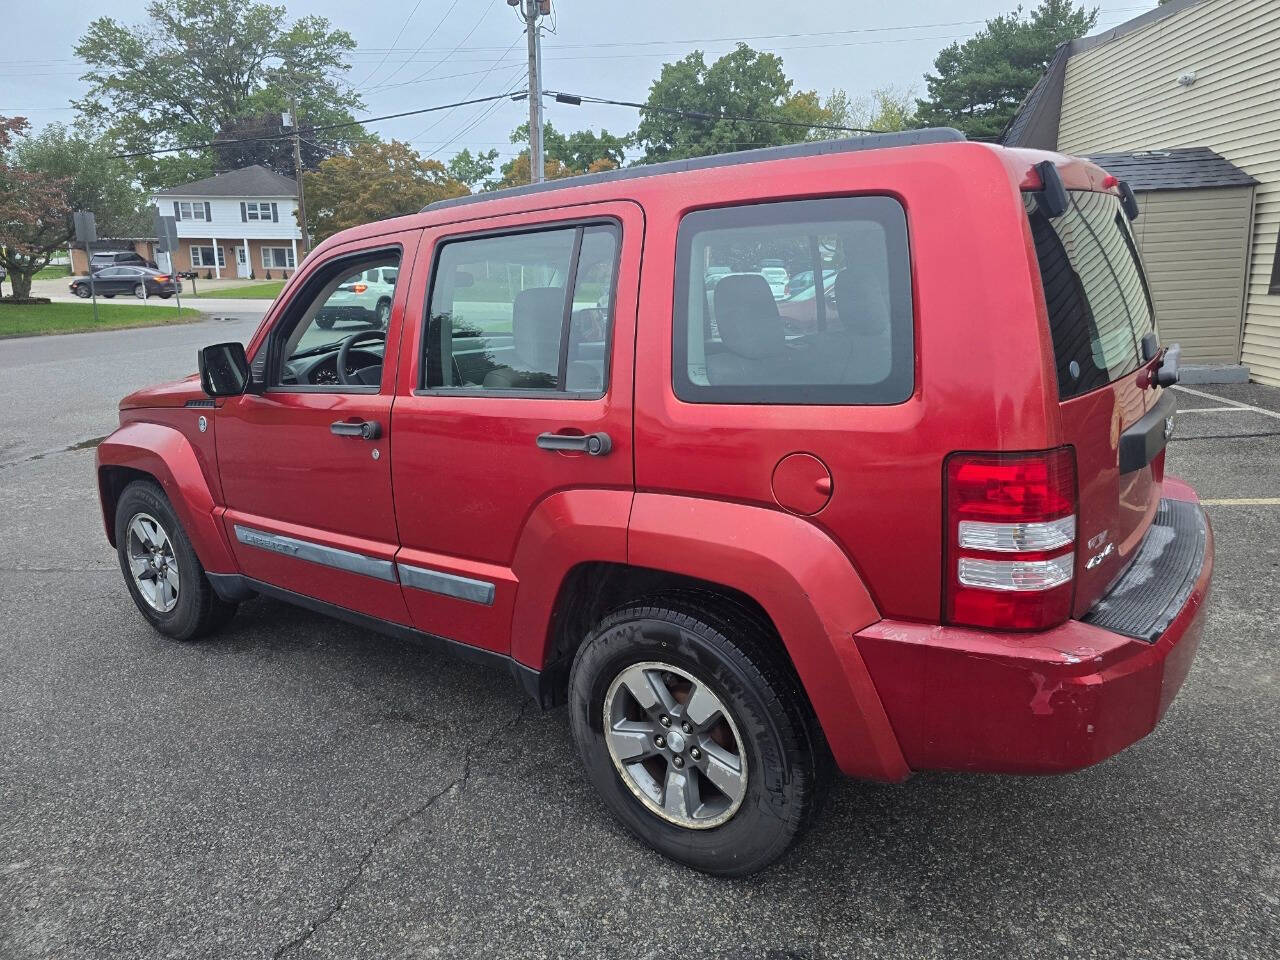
column 374, row 181
column 476, row 171
column 583, row 151
column 980, row 83
column 42, row 180
column 743, row 83
column 196, row 68
column 33, row 209
column 257, row 139
column 884, row 110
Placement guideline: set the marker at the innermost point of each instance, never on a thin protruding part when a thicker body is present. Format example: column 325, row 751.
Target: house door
column 242, row 261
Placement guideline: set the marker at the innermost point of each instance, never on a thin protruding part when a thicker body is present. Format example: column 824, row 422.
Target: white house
column 241, row 223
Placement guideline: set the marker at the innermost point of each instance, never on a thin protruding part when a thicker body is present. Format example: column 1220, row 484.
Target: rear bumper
column 1050, row 702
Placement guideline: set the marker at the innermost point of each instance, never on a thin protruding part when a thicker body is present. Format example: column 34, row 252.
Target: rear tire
column 150, row 544
column 140, row 291
column 769, row 733
column 324, row 323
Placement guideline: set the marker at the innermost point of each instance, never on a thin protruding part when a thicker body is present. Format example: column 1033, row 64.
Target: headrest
column 747, row 316
column 537, row 320
column 861, row 302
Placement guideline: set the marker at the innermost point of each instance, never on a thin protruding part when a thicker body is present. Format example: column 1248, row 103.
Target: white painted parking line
column 1227, row 400
column 1216, row 410
column 1243, row 502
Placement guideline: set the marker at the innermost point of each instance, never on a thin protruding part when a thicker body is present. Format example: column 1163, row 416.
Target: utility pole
column 297, row 172
column 530, row 12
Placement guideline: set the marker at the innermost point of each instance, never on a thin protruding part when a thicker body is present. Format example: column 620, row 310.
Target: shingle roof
column 1184, row 168
column 253, row 181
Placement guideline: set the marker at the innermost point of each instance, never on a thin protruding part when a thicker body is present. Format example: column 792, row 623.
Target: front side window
column 1094, row 289
column 337, row 305
column 803, row 302
column 523, row 312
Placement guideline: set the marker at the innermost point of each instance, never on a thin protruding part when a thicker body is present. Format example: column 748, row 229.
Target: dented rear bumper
column 1062, row 699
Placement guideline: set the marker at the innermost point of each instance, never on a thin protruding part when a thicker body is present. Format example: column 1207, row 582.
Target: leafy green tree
column 885, row 110
column 196, row 68
column 374, row 181
column 475, row 170
column 743, row 83
column 564, row 155
column 47, row 177
column 979, row 84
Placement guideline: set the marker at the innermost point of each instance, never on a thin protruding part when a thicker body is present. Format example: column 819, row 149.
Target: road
column 300, row 788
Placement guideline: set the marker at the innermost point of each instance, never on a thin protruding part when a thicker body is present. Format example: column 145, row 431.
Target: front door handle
column 596, row 444
column 364, row 429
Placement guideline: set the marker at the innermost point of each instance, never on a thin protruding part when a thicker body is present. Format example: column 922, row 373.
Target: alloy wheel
column 152, row 563
column 675, row 745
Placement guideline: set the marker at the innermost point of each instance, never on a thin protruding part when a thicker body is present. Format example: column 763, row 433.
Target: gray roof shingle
column 253, row 181
column 1182, row 168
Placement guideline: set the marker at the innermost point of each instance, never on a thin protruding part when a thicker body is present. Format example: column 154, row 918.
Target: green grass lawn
column 254, row 291
column 28, row 321
column 53, row 272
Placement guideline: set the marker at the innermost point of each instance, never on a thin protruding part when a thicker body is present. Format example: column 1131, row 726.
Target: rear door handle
column 595, row 444
column 364, row 429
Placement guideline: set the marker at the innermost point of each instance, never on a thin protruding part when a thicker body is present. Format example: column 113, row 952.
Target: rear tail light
column 160, row 278
column 1011, row 532
column 359, row 287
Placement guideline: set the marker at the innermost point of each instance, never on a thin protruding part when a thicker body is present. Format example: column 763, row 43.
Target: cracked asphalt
column 300, row 788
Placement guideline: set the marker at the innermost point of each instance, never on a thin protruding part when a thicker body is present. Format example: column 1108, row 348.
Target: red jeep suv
column 924, row 525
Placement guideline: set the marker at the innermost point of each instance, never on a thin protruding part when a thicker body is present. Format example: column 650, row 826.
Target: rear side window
column 1097, row 297
column 798, row 302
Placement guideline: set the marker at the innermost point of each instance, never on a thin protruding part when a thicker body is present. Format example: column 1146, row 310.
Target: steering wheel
column 343, row 351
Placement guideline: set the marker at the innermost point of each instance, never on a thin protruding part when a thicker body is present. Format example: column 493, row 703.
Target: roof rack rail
column 872, row 141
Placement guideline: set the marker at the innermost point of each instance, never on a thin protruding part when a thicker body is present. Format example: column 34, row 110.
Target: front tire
column 694, row 729
column 161, row 569
column 84, row 293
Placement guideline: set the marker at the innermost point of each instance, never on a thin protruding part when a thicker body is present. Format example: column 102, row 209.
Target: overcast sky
column 600, row 47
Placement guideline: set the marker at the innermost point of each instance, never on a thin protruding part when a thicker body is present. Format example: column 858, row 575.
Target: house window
column 203, row 256
column 258, row 210
column 193, row 211
column 277, row 258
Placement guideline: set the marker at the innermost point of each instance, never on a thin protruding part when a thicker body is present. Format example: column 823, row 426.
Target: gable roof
column 1036, row 122
column 252, row 181
column 1185, row 168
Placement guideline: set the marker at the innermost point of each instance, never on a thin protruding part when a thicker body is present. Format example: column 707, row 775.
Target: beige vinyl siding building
column 1190, row 73
column 1194, row 233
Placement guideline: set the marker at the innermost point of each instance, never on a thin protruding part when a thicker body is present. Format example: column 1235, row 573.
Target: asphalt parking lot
column 296, row 787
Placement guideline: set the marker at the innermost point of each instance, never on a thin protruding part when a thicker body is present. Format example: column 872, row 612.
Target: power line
column 399, row 34
column 328, row 126
column 576, row 99
column 450, row 54
column 434, row 31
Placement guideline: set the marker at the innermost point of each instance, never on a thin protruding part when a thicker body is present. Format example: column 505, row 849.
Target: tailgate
column 1099, row 311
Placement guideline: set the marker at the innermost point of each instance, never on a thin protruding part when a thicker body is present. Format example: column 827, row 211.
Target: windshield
column 1094, row 288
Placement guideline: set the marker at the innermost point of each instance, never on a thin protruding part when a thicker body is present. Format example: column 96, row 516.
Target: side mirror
column 224, row 369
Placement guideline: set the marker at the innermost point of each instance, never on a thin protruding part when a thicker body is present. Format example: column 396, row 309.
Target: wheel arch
column 783, row 569
column 162, row 455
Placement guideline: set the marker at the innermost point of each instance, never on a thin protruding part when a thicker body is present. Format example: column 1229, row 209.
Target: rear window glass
column 799, row 302
column 1097, row 297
